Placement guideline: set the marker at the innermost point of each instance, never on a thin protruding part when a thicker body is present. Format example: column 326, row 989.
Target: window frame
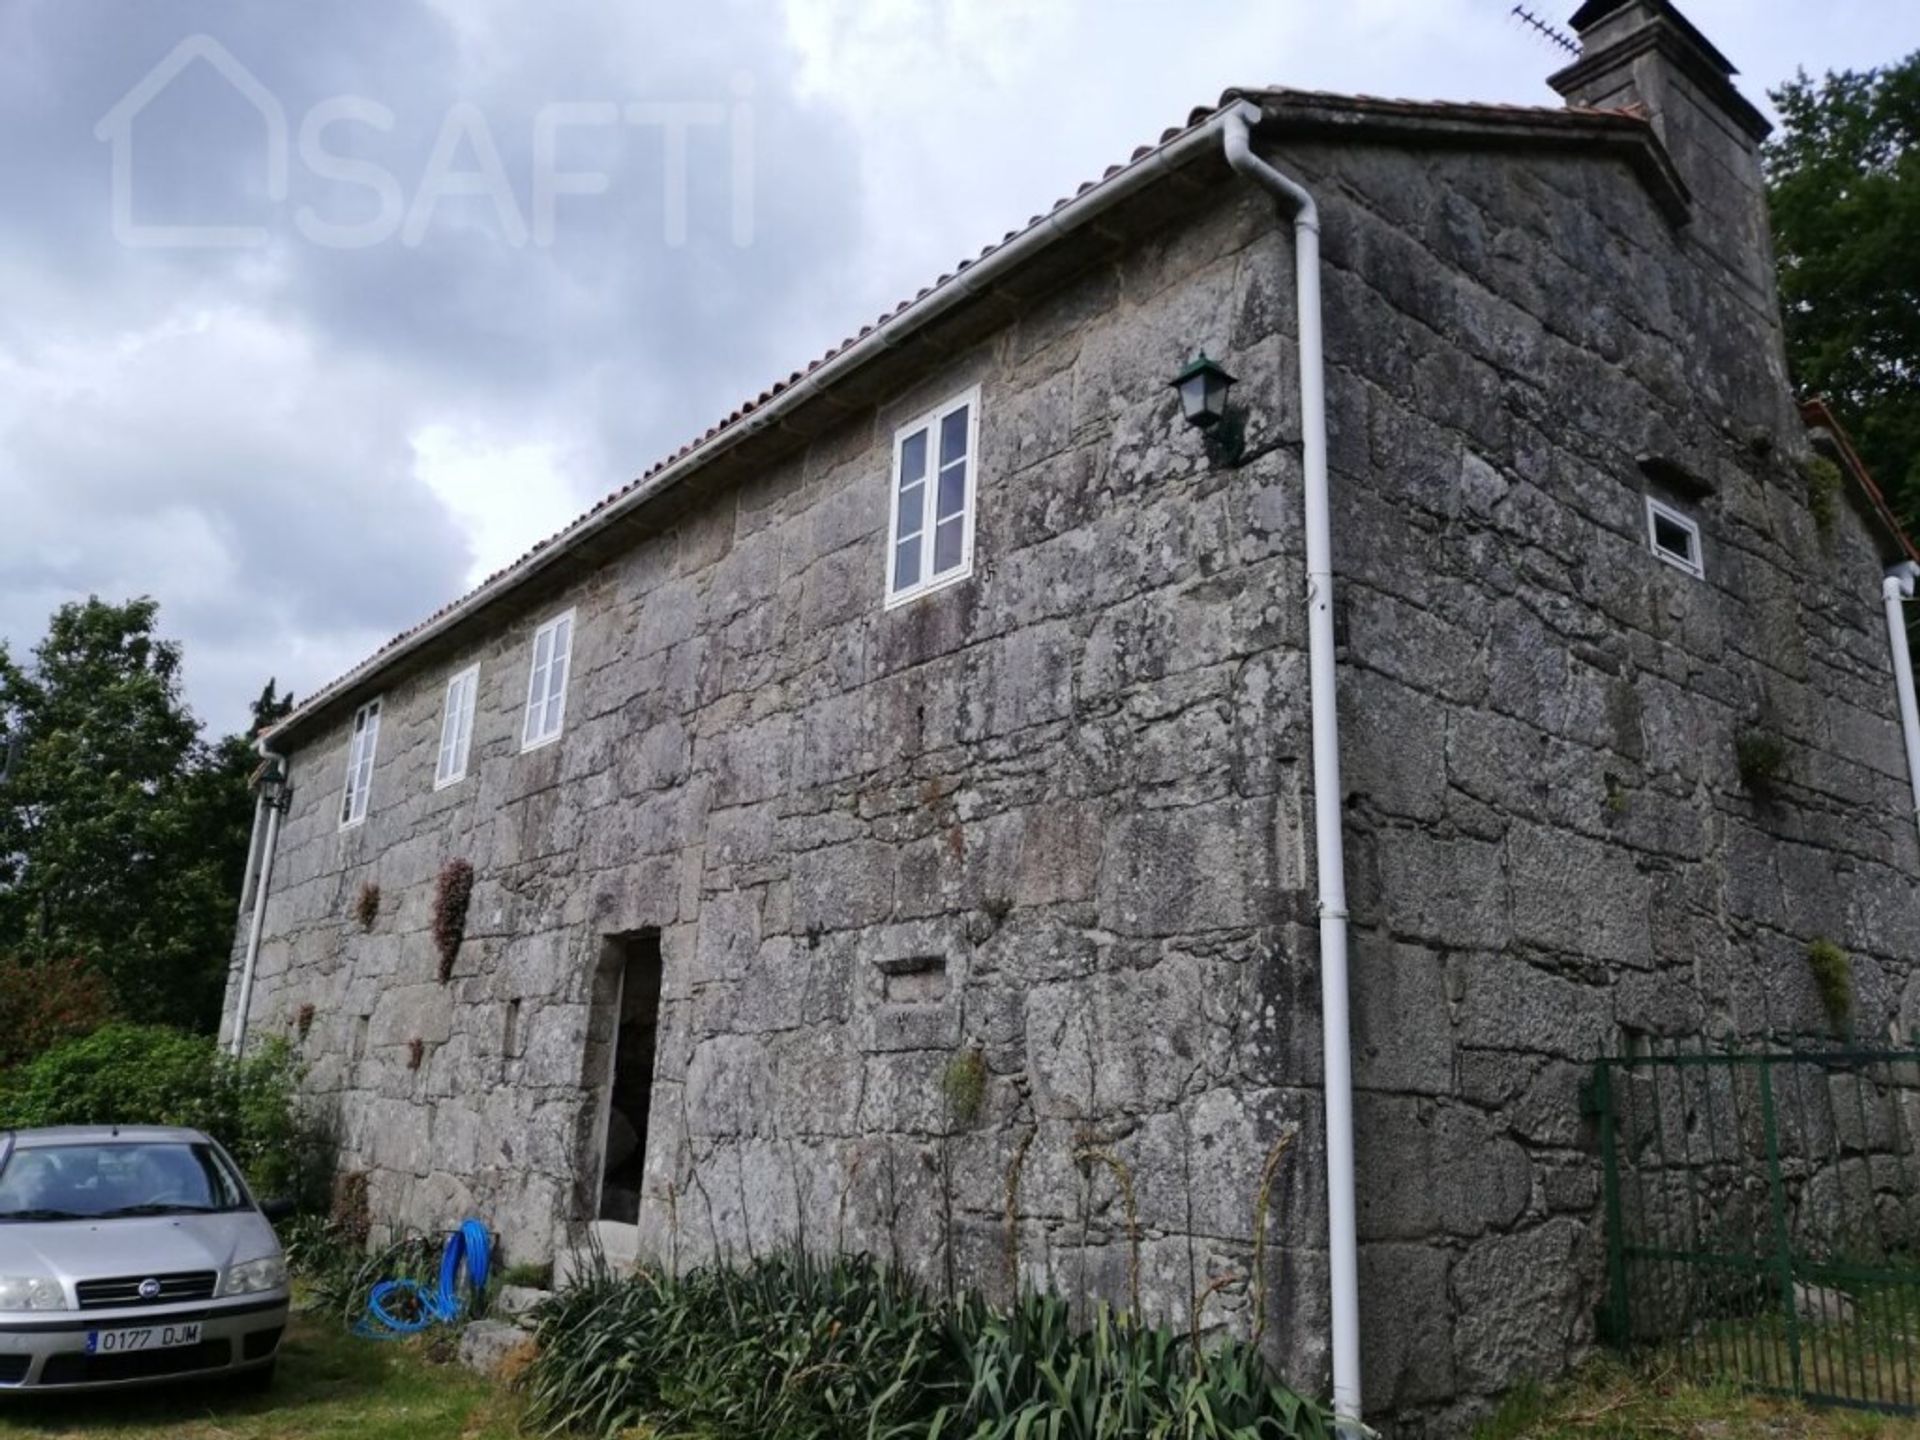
column 463, row 728
column 355, row 802
column 529, row 740
column 1658, row 510
column 930, row 421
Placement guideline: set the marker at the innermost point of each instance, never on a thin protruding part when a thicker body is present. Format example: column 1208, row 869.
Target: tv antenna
column 1545, row 31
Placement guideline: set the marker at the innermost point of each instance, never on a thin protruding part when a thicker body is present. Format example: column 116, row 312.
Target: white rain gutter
column 272, row 804
column 1079, row 213
column 1896, row 589
column 1329, row 849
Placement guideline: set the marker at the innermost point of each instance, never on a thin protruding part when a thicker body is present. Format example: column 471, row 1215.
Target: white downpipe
column 264, row 884
column 1895, row 590
column 1329, row 849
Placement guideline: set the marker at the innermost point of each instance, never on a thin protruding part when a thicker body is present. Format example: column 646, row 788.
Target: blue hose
column 469, row 1248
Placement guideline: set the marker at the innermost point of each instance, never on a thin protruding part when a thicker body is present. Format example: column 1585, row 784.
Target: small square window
column 1675, row 538
column 456, row 728
column 361, row 745
column 547, row 682
column 930, row 529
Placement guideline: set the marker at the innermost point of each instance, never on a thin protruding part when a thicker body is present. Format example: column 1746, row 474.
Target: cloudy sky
column 521, row 248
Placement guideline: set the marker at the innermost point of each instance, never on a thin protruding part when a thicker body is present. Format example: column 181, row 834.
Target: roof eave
column 1817, row 415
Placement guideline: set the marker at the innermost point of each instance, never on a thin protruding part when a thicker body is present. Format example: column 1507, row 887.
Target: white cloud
column 504, row 494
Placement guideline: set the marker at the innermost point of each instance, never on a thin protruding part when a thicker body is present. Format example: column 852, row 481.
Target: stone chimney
column 1646, row 55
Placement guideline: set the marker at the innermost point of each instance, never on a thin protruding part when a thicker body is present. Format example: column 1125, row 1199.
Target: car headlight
column 257, row 1275
column 31, row 1292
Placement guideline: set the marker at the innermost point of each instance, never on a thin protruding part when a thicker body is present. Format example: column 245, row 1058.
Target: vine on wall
column 450, row 899
column 366, row 907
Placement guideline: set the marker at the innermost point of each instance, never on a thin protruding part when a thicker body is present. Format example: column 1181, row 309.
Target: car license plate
column 149, row 1337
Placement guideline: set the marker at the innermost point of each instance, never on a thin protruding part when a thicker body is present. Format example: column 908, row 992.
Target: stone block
column 1208, row 867
column 843, row 886
column 1393, row 746
column 729, row 936
column 1522, row 1303
column 1471, row 1178
column 1580, row 896
column 1402, row 1028
column 1450, row 891
column 729, row 1088
column 1406, row 1342
column 1061, row 845
column 494, row 1348
column 1507, row 1004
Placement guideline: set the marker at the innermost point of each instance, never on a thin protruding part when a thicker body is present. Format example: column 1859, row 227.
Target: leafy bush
column 150, row 1075
column 1029, row 1372
column 43, row 1003
column 791, row 1347
column 798, row 1348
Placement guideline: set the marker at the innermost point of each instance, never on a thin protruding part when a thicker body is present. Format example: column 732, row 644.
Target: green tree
column 122, row 834
column 1844, row 185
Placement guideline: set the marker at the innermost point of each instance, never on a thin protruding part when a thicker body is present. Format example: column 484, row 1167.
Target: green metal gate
column 1763, row 1216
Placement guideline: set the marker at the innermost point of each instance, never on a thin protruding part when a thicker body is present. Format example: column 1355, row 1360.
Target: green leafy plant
column 1616, row 795
column 795, row 1347
column 44, row 1003
column 1824, row 482
column 150, row 1075
column 1844, row 197
column 366, row 906
column 963, row 1084
column 451, row 895
column 1833, row 976
column 1761, row 757
column 123, row 829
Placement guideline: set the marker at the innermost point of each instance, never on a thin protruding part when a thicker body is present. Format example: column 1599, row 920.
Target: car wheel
column 257, row 1381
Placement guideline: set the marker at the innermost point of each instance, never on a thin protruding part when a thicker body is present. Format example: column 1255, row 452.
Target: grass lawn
column 1612, row 1400
column 330, row 1384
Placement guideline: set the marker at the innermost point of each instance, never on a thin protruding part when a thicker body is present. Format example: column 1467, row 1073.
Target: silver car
column 132, row 1255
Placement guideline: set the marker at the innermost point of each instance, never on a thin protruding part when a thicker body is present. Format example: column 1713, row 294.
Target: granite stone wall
column 1049, row 825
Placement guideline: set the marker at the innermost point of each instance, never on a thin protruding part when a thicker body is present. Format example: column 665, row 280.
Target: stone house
column 889, row 819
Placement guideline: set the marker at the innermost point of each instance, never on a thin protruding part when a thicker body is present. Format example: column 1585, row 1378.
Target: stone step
column 616, row 1245
column 516, row 1303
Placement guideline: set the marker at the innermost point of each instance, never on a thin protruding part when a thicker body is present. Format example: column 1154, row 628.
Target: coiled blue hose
column 469, row 1248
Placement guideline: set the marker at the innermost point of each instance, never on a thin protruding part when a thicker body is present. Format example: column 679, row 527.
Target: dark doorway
column 630, row 976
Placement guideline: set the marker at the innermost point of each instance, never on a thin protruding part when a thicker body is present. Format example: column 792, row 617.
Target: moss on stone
column 1833, row 974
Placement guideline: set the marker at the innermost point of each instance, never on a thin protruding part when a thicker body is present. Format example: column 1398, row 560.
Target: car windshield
column 116, row 1180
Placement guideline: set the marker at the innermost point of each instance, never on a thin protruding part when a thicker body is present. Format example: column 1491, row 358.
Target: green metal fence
column 1763, row 1216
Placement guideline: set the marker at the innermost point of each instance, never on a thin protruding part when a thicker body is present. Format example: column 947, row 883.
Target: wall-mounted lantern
column 270, row 782
column 1203, row 388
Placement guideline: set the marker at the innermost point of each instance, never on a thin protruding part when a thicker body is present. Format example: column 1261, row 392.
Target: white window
column 1675, row 538
column 930, row 526
column 360, row 749
column 547, row 683
column 456, row 727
